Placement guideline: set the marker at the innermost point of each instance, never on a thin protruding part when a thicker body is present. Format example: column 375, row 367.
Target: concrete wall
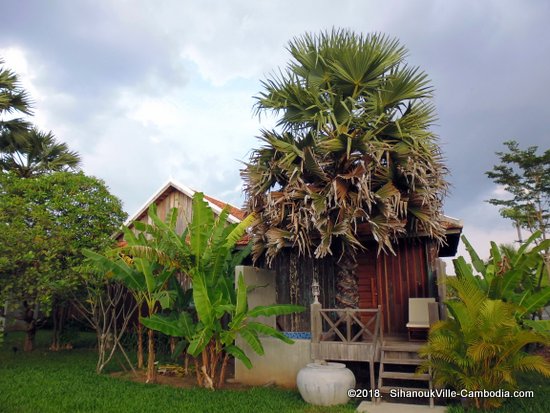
column 279, row 365
column 263, row 293
column 280, row 362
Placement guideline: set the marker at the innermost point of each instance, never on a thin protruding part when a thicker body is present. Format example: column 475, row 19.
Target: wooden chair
column 423, row 313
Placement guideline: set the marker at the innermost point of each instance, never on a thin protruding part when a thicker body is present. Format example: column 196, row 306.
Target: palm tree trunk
column 347, row 288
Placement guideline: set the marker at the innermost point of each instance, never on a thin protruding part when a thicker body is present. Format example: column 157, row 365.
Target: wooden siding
column 399, row 277
column 386, row 279
column 172, row 198
column 293, row 285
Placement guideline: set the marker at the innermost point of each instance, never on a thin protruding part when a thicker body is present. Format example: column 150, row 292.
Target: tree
column 526, row 177
column 44, row 224
column 36, row 153
column 148, row 281
column 13, row 100
column 109, row 313
column 353, row 147
column 205, row 253
column 481, row 347
column 513, row 276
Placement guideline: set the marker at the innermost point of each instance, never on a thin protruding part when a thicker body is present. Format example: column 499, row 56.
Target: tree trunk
column 30, row 336
column 54, row 346
column 59, row 316
column 31, row 320
column 347, row 288
column 140, row 345
column 151, row 371
column 173, row 346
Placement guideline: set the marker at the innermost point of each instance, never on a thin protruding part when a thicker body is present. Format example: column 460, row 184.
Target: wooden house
column 374, row 333
column 384, row 279
column 176, row 195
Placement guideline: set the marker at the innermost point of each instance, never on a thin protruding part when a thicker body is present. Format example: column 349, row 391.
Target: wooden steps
column 409, row 362
column 404, row 376
column 396, row 357
column 387, row 389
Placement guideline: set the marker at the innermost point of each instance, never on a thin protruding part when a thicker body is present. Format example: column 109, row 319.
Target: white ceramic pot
column 325, row 384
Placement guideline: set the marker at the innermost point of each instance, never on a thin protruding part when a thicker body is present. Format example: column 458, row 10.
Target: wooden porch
column 354, row 335
column 357, row 335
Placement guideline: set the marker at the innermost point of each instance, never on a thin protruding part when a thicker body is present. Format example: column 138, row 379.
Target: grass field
column 65, row 381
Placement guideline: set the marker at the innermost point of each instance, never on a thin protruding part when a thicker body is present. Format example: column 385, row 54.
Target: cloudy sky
column 152, row 90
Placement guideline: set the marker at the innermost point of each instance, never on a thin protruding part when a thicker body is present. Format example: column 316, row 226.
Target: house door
column 366, row 278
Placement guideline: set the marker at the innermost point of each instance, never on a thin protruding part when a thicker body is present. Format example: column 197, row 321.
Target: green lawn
column 44, row 381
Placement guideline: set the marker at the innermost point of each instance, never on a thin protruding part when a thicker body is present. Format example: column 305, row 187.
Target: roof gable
column 236, row 215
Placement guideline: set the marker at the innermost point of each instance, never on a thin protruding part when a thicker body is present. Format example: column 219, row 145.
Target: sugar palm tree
column 35, row 153
column 352, row 148
column 13, row 101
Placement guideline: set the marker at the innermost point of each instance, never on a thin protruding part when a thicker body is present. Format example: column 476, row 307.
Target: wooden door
column 366, row 278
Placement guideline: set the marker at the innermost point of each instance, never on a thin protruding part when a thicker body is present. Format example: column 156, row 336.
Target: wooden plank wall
column 399, row 277
column 385, row 279
column 294, row 278
column 173, row 199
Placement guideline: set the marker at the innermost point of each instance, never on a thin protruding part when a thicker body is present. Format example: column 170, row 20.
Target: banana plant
column 511, row 277
column 147, row 280
column 212, row 340
column 205, row 252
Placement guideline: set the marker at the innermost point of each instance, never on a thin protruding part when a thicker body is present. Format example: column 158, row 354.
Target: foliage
column 480, row 347
column 354, row 147
column 13, row 100
column 146, row 279
column 205, row 253
column 44, row 224
column 108, row 312
column 525, row 175
column 514, row 278
column 36, row 153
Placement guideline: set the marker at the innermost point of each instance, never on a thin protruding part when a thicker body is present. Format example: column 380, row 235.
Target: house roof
column 453, row 226
column 453, row 229
column 236, row 215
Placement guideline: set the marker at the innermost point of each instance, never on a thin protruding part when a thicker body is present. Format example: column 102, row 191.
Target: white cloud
column 146, row 91
column 500, row 192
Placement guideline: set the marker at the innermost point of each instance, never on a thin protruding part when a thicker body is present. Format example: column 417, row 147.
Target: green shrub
column 480, row 347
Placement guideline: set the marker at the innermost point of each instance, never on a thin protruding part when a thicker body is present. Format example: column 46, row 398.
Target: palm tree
column 352, row 148
column 481, row 346
column 36, row 153
column 13, row 100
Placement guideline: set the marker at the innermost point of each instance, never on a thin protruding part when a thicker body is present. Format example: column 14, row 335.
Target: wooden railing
column 345, row 324
column 340, row 340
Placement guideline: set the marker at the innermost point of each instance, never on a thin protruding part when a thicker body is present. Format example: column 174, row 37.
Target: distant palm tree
column 354, row 148
column 36, row 153
column 13, row 100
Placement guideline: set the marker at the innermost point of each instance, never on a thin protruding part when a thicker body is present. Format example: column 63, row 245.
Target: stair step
column 408, row 348
column 387, row 389
column 404, row 376
column 411, row 362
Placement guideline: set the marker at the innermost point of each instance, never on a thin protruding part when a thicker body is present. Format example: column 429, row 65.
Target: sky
column 148, row 91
